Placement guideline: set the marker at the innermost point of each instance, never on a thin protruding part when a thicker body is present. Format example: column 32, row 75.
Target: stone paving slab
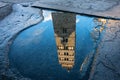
column 5, row 10
column 107, row 60
column 100, row 8
column 18, row 1
column 103, row 8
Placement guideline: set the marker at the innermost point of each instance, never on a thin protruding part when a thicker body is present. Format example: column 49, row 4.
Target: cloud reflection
column 47, row 16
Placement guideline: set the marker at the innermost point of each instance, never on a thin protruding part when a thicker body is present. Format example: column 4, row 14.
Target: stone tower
column 64, row 28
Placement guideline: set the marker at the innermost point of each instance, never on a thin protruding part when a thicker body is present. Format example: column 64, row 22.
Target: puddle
column 61, row 47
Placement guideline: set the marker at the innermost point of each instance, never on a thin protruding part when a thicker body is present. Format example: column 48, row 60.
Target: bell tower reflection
column 64, row 28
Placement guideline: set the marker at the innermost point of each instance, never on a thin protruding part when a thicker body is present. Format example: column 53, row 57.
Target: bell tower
column 64, row 28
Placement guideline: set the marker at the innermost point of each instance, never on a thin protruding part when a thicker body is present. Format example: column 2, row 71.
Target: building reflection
column 64, row 28
column 101, row 23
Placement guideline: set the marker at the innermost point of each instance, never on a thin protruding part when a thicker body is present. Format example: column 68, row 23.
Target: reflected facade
column 64, row 28
column 100, row 22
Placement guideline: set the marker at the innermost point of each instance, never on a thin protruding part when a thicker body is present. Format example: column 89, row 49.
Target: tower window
column 66, row 53
column 59, row 53
column 64, row 30
column 65, row 39
column 66, row 48
column 66, row 59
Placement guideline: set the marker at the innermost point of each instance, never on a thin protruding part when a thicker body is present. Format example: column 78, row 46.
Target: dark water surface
column 34, row 51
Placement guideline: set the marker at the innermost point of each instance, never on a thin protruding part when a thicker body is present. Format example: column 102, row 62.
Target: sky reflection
column 34, row 51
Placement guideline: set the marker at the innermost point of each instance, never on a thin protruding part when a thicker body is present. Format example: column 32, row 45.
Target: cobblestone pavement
column 20, row 19
column 107, row 60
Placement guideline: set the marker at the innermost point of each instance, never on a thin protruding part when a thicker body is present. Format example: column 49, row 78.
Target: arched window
column 64, row 39
column 66, row 53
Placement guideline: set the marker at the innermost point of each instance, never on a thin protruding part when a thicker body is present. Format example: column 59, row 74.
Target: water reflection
column 59, row 48
column 64, row 28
